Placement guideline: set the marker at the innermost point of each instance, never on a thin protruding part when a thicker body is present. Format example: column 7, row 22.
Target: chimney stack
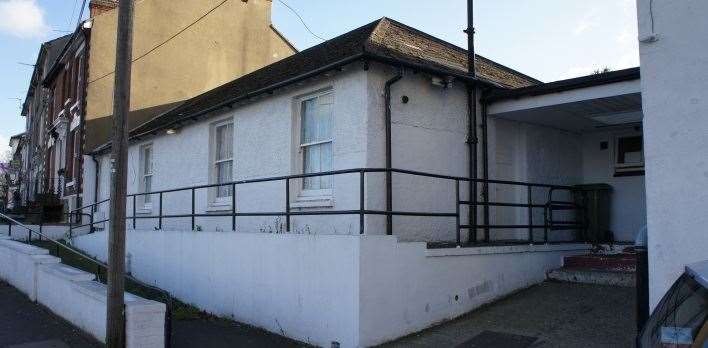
column 97, row 7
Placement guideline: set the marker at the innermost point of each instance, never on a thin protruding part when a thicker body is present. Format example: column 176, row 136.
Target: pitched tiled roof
column 383, row 40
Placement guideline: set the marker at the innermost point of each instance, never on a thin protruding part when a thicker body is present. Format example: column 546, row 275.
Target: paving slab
column 553, row 314
column 25, row 324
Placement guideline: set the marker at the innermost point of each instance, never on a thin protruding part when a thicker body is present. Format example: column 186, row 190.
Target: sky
column 546, row 39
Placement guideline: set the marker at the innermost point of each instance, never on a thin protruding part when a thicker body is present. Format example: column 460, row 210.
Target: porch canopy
column 581, row 104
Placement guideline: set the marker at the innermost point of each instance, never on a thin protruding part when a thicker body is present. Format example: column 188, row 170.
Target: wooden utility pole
column 115, row 321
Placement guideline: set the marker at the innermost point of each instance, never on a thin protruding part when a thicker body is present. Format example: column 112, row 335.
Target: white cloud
column 22, row 18
column 589, row 21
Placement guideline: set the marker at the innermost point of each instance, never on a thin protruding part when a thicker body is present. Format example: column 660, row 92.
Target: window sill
column 639, row 172
column 218, row 208
column 144, row 211
column 313, row 202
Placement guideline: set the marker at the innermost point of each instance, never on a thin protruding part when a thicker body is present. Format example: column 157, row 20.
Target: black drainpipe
column 485, row 171
column 389, row 186
column 95, row 182
column 472, row 121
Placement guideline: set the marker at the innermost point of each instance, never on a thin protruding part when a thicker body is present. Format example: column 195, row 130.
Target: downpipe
column 389, row 162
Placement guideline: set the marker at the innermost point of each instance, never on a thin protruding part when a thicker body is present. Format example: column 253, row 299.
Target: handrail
column 168, row 304
column 335, row 172
column 5, row 217
column 361, row 211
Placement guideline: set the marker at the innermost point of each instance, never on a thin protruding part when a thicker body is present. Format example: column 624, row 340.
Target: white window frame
column 620, row 168
column 310, row 197
column 146, row 201
column 219, row 203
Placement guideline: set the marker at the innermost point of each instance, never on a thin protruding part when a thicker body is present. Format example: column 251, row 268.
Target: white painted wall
column 19, row 263
column 301, row 286
column 405, row 288
column 73, row 295
column 263, row 147
column 674, row 84
column 429, row 134
column 530, row 153
column 355, row 290
column 627, row 202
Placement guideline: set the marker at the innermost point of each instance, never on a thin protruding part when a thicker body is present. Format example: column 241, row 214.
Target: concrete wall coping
column 23, row 248
column 505, row 249
column 46, row 259
column 68, row 273
column 99, row 292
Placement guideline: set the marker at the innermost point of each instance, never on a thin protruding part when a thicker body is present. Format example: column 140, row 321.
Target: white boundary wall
column 75, row 296
column 54, row 232
column 355, row 290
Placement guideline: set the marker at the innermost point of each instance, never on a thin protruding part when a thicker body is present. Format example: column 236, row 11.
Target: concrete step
column 622, row 262
column 592, row 276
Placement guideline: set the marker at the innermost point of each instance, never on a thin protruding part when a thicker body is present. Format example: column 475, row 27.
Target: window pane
column 224, row 141
column 324, row 122
column 148, row 188
column 326, row 165
column 309, row 124
column 629, row 150
column 147, row 160
column 223, row 175
column 311, row 165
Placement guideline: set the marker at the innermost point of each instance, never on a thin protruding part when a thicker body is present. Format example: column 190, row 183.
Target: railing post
column 545, row 222
column 233, row 207
column 71, row 221
column 9, row 228
column 287, row 204
column 485, row 210
column 91, row 230
column 41, row 222
column 549, row 215
column 457, row 211
column 530, row 211
column 389, row 201
column 361, row 202
column 159, row 218
column 135, row 220
column 193, row 210
column 472, row 212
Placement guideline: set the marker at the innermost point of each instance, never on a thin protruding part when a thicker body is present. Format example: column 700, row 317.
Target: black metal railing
column 41, row 222
column 549, row 206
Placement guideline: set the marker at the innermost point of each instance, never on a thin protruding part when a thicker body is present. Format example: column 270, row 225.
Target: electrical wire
column 301, row 20
column 81, row 13
column 73, row 10
column 167, row 40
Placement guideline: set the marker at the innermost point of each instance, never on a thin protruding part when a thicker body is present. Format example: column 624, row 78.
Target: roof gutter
column 564, row 85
